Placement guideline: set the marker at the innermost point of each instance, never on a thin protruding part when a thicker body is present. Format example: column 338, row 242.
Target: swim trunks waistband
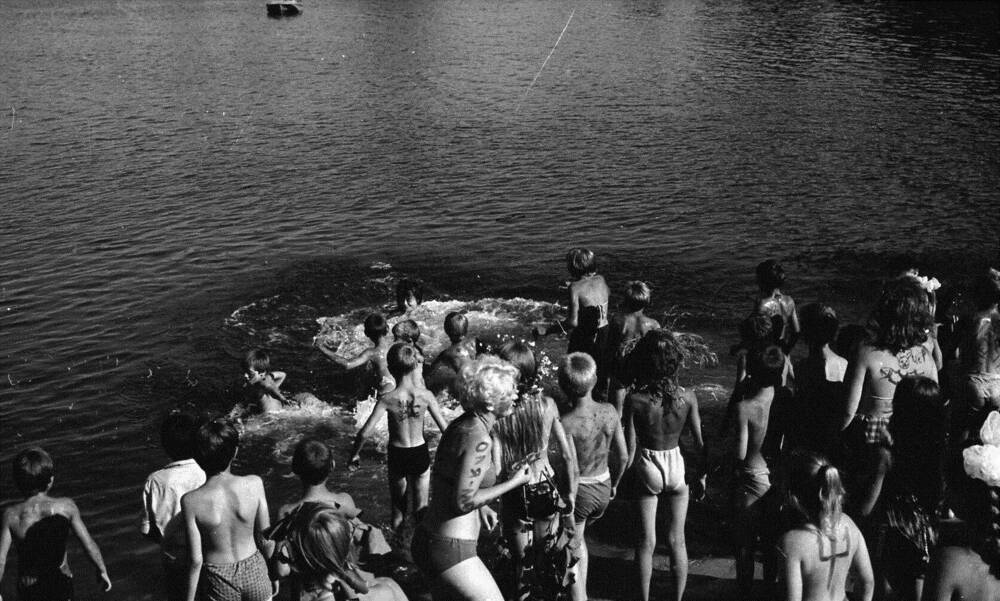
column 602, row 477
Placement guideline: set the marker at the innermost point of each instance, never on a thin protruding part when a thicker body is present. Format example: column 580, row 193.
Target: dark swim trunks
column 408, row 461
column 435, row 554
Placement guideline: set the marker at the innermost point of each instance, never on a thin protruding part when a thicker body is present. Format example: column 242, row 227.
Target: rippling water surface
column 166, row 164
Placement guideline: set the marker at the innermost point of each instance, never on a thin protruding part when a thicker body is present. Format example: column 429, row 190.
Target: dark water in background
column 163, row 164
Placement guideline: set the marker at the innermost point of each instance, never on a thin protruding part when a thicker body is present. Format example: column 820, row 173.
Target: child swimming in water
column 263, row 386
column 315, row 543
column 377, row 330
column 825, row 544
column 39, row 527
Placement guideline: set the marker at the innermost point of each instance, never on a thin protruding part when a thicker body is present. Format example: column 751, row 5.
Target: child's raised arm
column 362, row 436
column 93, row 552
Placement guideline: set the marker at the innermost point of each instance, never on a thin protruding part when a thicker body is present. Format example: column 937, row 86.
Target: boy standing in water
column 462, row 349
column 625, row 330
column 161, row 498
column 752, row 476
column 377, row 330
column 587, row 321
column 779, row 307
column 225, row 518
column 408, row 458
column 596, row 431
column 39, row 527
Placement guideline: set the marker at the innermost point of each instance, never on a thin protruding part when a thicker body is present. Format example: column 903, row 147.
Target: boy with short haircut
column 462, row 349
column 407, row 405
column 625, row 330
column 161, row 498
column 263, row 386
column 752, row 475
column 377, row 330
column 225, row 518
column 39, row 527
column 596, row 431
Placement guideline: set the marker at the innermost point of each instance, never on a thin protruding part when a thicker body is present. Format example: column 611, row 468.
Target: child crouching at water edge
column 263, row 386
column 824, row 544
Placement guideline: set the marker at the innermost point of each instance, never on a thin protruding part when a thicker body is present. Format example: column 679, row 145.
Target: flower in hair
column 928, row 284
column 982, row 462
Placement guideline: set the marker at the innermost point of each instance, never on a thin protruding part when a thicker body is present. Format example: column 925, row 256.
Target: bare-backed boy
column 39, row 527
column 161, row 499
column 596, row 432
column 624, row 332
column 463, row 347
column 377, row 330
column 225, row 518
column 407, row 406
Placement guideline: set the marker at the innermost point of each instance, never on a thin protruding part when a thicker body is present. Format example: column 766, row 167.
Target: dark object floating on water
column 283, row 8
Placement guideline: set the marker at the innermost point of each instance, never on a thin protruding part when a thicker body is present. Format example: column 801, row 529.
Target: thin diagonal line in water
column 546, row 61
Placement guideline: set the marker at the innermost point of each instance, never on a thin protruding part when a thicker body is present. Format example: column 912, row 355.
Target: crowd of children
column 853, row 470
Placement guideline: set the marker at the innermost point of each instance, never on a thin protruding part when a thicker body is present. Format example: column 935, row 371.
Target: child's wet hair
column 521, row 356
column 406, row 331
column 456, row 325
column 312, row 461
column 657, row 358
column 770, row 275
column 402, row 359
column 215, row 445
column 376, row 327
column 902, row 317
column 819, row 324
column 815, row 491
column 177, row 434
column 637, row 296
column 33, row 470
column 257, row 359
column 577, row 375
column 320, row 544
column 766, row 367
column 581, row 262
column 407, row 289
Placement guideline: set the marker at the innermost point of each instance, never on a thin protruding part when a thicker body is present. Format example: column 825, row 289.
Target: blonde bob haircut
column 486, row 384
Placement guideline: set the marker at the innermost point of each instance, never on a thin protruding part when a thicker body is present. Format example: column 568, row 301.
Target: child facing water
column 601, row 453
column 773, row 303
column 625, row 330
column 462, row 348
column 38, row 527
column 824, row 544
column 377, row 330
column 406, row 405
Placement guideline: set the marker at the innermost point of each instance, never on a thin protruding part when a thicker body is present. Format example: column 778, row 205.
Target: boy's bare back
column 752, row 416
column 659, row 424
column 592, row 427
column 407, row 408
column 227, row 511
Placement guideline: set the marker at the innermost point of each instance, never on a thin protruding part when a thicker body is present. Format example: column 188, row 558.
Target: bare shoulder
column 607, row 414
column 796, row 542
column 65, row 506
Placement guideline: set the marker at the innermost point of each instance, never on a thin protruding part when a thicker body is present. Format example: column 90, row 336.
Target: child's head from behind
column 770, row 275
column 637, row 296
column 320, row 544
column 521, row 356
column 402, row 359
column 33, row 471
column 215, row 445
column 177, row 435
column 487, row 384
column 819, row 324
column 766, row 367
column 406, row 331
column 815, row 491
column 312, row 461
column 256, row 360
column 902, row 315
column 657, row 357
column 376, row 327
column 756, row 331
column 409, row 294
column 456, row 326
column 581, row 262
column 577, row 376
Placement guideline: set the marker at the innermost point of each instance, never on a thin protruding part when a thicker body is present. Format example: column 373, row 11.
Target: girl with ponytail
column 824, row 544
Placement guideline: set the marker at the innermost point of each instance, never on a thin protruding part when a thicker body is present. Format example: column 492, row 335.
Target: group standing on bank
column 876, row 455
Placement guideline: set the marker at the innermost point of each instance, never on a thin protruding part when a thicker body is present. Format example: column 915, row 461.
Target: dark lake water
column 180, row 181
